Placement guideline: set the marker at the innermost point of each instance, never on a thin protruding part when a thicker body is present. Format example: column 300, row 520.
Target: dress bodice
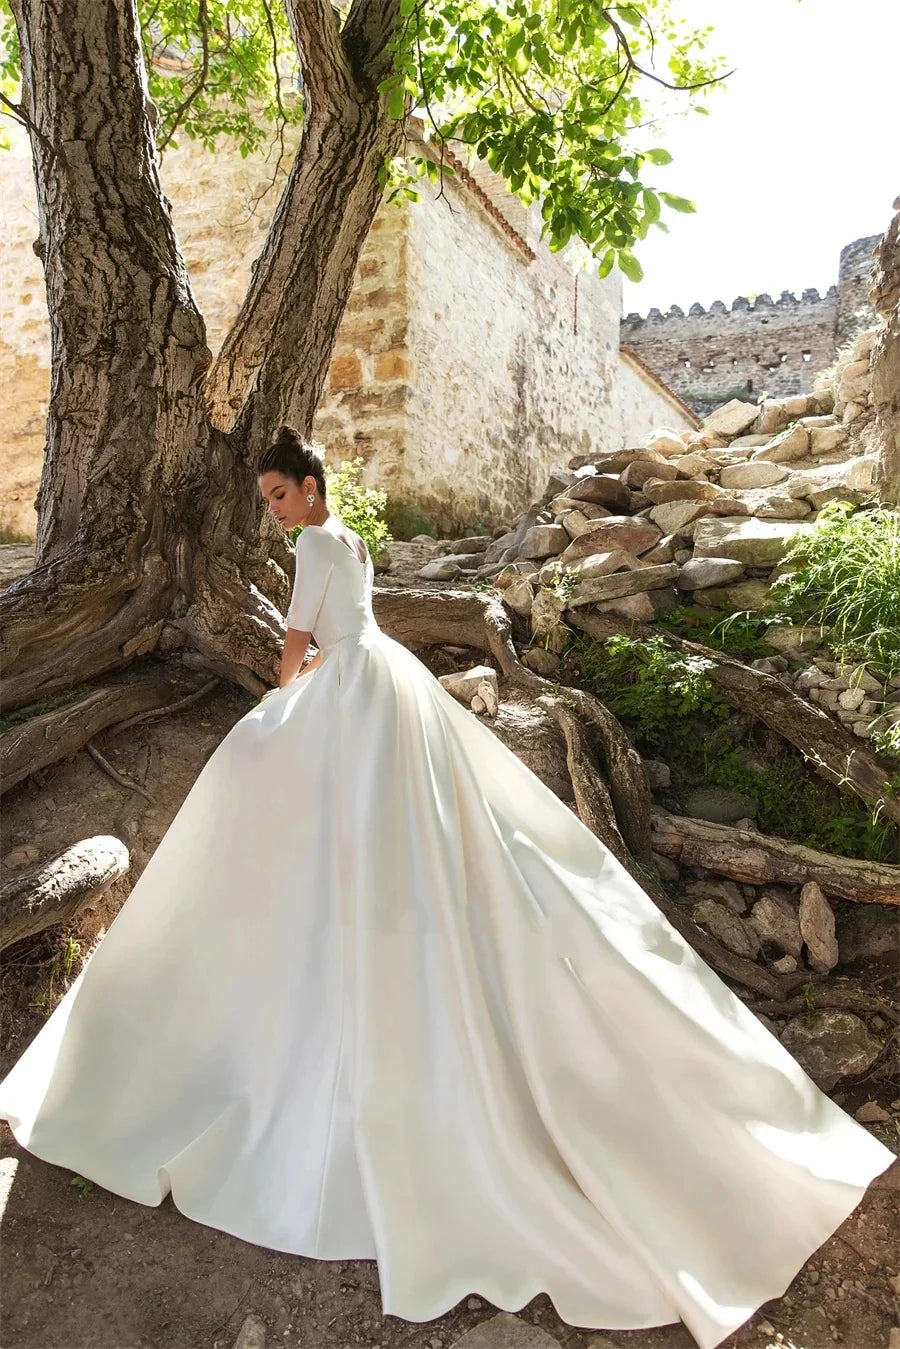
column 332, row 595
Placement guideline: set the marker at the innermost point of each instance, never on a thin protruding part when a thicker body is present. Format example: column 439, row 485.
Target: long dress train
column 380, row 994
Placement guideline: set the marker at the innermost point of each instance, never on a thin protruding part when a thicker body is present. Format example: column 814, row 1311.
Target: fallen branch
column 759, row 859
column 57, row 889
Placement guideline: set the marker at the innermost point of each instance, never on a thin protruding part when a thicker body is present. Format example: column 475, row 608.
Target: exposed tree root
column 759, row 859
column 830, row 996
column 592, row 798
column 69, row 622
column 42, row 740
column 57, row 889
column 120, row 778
column 457, row 617
column 832, row 751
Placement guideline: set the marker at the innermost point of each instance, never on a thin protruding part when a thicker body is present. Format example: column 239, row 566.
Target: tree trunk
column 149, row 516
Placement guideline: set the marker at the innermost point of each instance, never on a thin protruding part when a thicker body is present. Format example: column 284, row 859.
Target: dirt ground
column 84, row 1269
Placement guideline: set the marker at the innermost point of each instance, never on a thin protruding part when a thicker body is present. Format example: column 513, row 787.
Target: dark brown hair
column 294, row 458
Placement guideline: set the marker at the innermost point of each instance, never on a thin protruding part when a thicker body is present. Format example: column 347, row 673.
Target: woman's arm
column 295, row 645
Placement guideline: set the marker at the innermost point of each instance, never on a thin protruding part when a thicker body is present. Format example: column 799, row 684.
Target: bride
column 380, row 994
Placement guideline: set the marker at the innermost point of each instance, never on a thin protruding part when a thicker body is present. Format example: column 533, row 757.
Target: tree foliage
column 562, row 98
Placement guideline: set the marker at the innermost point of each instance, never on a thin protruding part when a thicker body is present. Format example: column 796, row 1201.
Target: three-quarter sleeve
column 312, row 570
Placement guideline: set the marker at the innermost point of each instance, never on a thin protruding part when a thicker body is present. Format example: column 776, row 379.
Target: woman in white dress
column 380, row 994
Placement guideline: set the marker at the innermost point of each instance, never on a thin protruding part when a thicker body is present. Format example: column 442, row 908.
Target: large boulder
column 729, row 928
column 790, row 444
column 604, row 564
column 830, row 1046
column 599, row 588
column 667, row 443
column 817, row 927
column 702, row 572
column 755, row 474
column 777, row 923
column 624, row 532
column 721, row 805
column 751, row 594
column 757, row 543
column 732, row 419
column 640, row 471
column 675, row 517
column 684, row 489
column 544, row 541
column 602, row 489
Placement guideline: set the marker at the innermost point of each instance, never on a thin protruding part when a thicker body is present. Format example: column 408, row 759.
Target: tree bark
column 57, row 889
column 884, row 292
column 148, row 512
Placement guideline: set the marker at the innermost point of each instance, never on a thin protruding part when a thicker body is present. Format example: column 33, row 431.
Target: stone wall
column 885, row 359
column 772, row 347
column 469, row 363
column 645, row 404
column 514, row 358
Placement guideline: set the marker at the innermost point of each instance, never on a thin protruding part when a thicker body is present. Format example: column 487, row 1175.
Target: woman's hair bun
column 293, row 457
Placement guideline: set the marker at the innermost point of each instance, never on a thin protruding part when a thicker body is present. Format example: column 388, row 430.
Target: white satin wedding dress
column 380, row 994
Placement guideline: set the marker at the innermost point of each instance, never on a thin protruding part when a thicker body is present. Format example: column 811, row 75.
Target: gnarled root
column 57, row 889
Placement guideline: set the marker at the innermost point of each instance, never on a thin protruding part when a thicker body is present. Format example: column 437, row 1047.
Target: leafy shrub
column 362, row 508
column 792, row 803
column 848, row 580
column 647, row 683
column 740, row 634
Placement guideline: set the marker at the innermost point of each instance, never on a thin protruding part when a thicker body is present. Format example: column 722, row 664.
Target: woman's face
column 285, row 498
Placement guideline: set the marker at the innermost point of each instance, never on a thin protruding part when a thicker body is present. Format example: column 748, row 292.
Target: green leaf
column 659, row 156
column 396, row 102
column 678, row 203
column 630, row 266
column 651, row 206
column 607, row 262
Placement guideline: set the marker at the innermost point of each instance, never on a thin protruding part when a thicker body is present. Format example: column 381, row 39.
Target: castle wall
column 776, row 348
column 854, row 309
column 745, row 351
column 645, row 405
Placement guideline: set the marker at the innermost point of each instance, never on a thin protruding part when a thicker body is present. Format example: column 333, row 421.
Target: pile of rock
column 861, row 697
column 699, row 516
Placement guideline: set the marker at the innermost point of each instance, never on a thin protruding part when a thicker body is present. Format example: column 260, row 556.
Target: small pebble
column 473, row 1304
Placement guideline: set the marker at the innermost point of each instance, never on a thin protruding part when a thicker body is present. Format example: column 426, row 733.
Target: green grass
column 848, row 581
column 670, row 707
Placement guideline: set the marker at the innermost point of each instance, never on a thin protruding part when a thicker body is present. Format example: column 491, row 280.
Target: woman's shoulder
column 327, row 536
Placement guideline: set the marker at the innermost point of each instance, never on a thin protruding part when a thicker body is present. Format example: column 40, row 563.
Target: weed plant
column 847, row 579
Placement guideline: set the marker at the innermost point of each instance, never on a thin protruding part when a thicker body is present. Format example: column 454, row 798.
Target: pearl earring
column 311, row 497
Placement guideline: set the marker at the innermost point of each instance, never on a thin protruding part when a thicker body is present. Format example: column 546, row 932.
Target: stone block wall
column 470, row 361
column 855, row 271
column 772, row 347
column 513, row 358
column 646, row 405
